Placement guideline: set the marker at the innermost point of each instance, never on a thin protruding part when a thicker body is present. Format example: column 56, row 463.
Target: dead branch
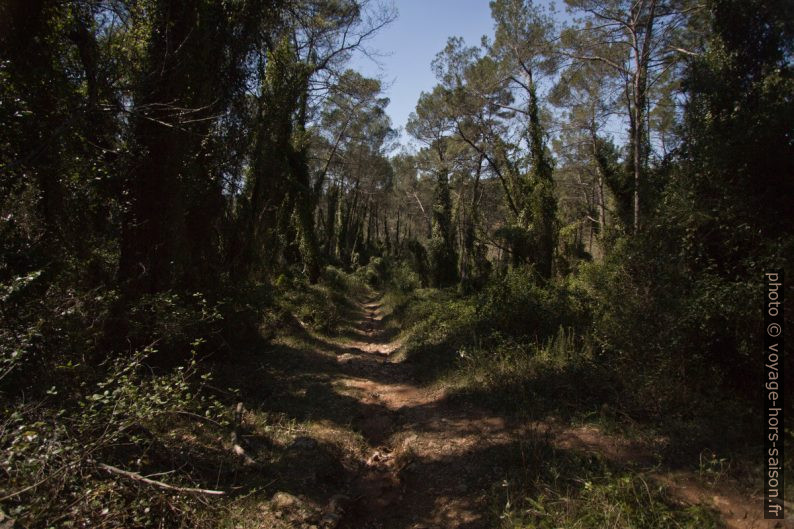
column 137, row 477
column 236, row 448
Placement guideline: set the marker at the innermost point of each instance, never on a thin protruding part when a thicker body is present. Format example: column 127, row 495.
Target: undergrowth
column 601, row 499
column 552, row 352
column 550, row 488
column 80, row 410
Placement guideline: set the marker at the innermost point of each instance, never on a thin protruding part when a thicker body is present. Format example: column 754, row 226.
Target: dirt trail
column 418, row 473
column 433, row 465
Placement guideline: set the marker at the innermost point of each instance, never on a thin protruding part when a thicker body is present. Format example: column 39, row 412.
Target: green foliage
column 322, row 307
column 572, row 250
column 376, row 271
column 611, row 500
column 499, row 342
column 442, row 256
column 732, row 197
column 341, row 281
column 515, row 305
column 417, row 257
column 560, row 376
column 52, row 448
column 697, row 270
column 404, row 278
column 164, row 165
column 438, row 323
column 315, row 306
column 618, row 179
column 442, row 262
column 527, row 350
column 694, row 345
column 174, row 321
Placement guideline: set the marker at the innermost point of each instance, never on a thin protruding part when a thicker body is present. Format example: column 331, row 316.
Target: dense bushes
column 73, row 400
column 516, row 305
column 438, row 323
column 631, row 332
column 54, row 446
column 498, row 339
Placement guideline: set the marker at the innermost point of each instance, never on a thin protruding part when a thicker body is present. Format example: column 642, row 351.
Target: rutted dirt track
column 416, row 475
column 432, row 464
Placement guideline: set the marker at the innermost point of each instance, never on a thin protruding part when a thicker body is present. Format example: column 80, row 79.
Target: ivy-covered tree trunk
column 304, row 213
column 341, row 232
column 330, row 233
column 443, row 258
column 534, row 238
column 543, row 203
column 271, row 188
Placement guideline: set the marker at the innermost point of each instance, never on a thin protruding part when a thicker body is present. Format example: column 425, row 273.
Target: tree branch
column 137, row 477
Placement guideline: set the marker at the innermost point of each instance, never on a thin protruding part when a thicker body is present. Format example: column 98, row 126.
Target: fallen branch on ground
column 137, row 477
column 236, row 448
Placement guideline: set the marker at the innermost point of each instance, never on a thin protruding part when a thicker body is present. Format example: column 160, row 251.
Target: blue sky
column 410, row 43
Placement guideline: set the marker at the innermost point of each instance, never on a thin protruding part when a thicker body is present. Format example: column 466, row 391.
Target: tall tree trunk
column 153, row 234
column 602, row 213
column 642, row 53
column 543, row 203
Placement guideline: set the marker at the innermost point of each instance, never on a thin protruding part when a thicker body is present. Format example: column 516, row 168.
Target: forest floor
column 354, row 441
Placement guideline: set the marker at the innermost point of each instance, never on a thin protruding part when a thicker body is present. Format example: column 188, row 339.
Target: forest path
column 428, row 461
column 434, row 464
